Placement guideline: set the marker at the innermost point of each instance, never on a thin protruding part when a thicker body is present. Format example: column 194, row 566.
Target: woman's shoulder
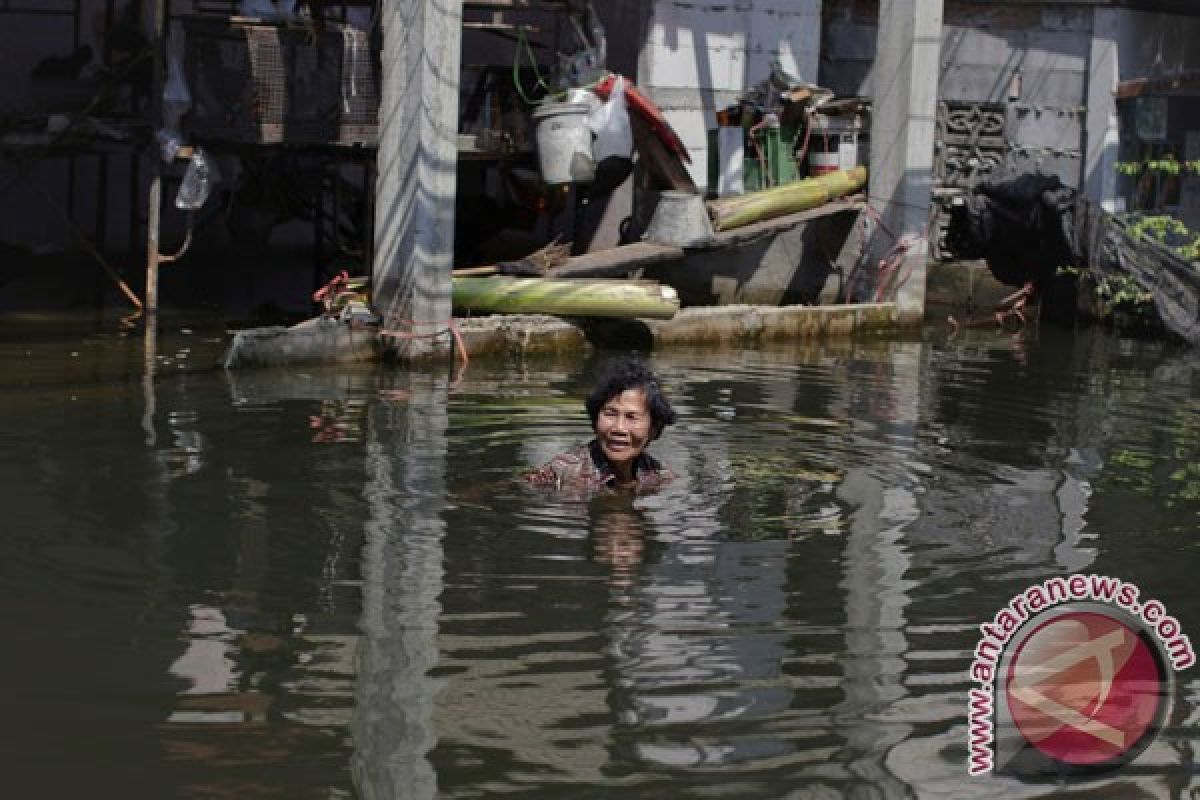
column 565, row 467
column 652, row 472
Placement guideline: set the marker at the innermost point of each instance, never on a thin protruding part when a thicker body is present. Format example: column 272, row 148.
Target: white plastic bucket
column 564, row 143
column 823, row 163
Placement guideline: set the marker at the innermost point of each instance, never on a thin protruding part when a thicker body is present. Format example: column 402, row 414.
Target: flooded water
column 325, row 584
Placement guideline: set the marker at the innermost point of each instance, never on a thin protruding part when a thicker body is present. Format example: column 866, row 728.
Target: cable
column 523, row 43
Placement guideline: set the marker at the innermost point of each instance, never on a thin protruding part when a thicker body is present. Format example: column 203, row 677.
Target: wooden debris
column 538, row 263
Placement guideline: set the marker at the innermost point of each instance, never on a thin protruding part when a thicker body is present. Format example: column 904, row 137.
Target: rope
column 329, row 290
column 450, row 328
column 890, row 262
column 523, row 43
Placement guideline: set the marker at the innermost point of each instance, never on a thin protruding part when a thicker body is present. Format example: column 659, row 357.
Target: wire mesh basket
column 263, row 83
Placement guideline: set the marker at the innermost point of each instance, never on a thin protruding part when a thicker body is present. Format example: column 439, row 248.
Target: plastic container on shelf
column 564, row 143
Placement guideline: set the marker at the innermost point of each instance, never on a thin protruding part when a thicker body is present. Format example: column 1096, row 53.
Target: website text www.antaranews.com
column 1038, row 598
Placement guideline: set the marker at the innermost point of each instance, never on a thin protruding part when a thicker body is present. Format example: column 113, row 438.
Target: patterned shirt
column 586, row 467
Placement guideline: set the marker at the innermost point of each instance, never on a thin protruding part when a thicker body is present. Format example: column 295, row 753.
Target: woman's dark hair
column 626, row 373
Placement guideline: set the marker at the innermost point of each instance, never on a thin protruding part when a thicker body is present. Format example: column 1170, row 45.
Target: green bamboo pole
column 734, row 212
column 565, row 297
column 838, row 183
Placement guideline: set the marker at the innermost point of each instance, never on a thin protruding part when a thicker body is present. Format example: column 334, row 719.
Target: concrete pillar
column 417, row 169
column 1101, row 134
column 904, row 87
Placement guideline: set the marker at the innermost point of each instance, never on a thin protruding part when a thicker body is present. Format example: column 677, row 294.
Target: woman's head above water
column 628, row 409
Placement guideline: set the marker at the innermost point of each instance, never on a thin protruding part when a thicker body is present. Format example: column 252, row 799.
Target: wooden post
column 153, row 218
column 154, row 204
column 417, row 164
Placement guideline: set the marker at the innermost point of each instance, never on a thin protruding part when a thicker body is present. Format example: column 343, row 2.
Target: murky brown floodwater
column 321, row 583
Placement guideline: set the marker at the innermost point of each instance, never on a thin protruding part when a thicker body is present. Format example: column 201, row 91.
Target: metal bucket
column 680, row 219
column 564, row 143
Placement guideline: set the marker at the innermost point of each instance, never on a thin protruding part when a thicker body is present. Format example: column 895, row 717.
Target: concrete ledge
column 327, row 341
column 314, row 341
column 520, row 334
column 742, row 324
column 748, row 324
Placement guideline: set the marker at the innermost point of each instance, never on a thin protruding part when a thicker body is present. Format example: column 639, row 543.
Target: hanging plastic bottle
column 197, row 181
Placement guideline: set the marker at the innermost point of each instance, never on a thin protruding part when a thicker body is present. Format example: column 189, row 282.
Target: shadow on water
column 318, row 584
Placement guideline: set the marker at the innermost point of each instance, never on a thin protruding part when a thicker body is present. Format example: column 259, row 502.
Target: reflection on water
column 326, row 584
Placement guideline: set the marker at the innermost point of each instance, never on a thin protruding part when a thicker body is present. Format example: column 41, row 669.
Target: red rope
column 889, row 263
column 459, row 345
column 330, row 289
column 878, row 220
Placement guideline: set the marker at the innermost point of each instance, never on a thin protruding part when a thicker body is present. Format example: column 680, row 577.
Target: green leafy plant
column 1169, row 232
column 1167, row 165
column 1117, row 298
column 1123, row 294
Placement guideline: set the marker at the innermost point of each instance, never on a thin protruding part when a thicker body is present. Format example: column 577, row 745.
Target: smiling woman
column 628, row 411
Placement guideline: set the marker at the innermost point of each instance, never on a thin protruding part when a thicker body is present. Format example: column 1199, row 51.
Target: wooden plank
column 1185, row 83
column 617, row 261
column 513, row 5
column 663, row 165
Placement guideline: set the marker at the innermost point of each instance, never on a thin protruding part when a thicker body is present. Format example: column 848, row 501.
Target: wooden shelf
column 514, row 5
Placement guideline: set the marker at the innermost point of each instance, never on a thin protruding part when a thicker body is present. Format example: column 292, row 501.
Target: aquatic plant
column 1119, row 299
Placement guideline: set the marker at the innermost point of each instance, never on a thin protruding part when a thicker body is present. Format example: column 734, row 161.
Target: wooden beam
column 617, row 261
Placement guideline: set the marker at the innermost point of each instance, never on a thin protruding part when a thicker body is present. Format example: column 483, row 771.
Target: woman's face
column 623, row 426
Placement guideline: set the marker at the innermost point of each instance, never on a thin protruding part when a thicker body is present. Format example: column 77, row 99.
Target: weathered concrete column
column 415, row 188
column 1102, row 137
column 904, row 87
